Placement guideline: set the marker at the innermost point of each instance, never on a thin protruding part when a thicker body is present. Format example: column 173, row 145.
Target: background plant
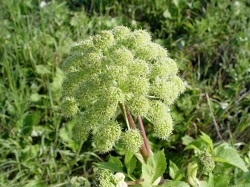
column 209, row 40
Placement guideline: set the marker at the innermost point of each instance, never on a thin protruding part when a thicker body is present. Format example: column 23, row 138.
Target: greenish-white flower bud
column 205, row 162
column 104, row 178
column 157, row 110
column 83, row 46
column 114, row 95
column 132, row 140
column 118, row 73
column 73, row 62
column 80, row 133
column 151, row 51
column 138, row 38
column 139, row 68
column 69, row 106
column 163, row 127
column 103, row 40
column 137, row 85
column 167, row 90
column 121, row 32
column 164, row 68
column 121, row 56
column 106, row 136
column 138, row 105
column 106, row 110
column 79, row 182
column 93, row 60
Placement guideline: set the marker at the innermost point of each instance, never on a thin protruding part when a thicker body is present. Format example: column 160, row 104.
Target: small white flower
column 121, row 184
column 119, row 177
column 42, row 4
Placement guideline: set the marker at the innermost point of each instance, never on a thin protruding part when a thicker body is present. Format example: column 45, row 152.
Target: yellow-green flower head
column 137, row 86
column 167, row 89
column 84, row 46
column 151, row 51
column 79, row 182
column 139, row 68
column 69, row 106
column 72, row 63
column 114, row 95
column 138, row 38
column 104, row 178
column 118, row 66
column 106, row 136
column 157, row 110
column 79, row 132
column 205, row 162
column 121, row 56
column 138, row 105
column 163, row 127
column 103, row 40
column 118, row 73
column 121, row 33
column 132, row 140
column 159, row 116
column 164, row 68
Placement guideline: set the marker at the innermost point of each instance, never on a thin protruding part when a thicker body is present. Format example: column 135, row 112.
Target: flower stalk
column 143, row 150
column 145, row 139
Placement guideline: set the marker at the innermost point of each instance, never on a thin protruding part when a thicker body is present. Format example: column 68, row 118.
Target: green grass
column 210, row 41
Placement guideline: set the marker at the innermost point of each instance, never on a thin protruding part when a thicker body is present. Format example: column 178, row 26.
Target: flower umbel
column 119, row 67
column 205, row 162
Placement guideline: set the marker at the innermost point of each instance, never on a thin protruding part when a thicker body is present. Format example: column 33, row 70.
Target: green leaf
column 192, row 174
column 29, row 121
column 186, row 140
column 227, row 154
column 114, row 164
column 207, row 139
column 116, row 160
column 35, row 182
column 204, row 184
column 175, row 184
column 175, row 172
column 110, row 166
column 130, row 162
column 154, row 168
column 221, row 180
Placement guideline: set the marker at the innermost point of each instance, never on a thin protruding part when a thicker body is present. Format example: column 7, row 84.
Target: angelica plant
column 120, row 71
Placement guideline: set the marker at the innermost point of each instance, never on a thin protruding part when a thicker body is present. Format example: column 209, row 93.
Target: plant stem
column 143, row 149
column 132, row 183
column 124, row 113
column 145, row 139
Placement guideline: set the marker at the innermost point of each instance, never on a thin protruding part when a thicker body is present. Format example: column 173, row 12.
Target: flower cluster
column 106, row 178
column 205, row 162
column 79, row 182
column 119, row 67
